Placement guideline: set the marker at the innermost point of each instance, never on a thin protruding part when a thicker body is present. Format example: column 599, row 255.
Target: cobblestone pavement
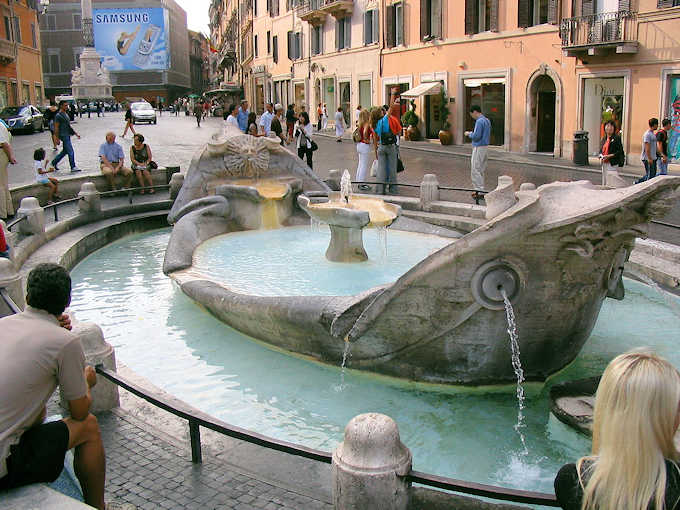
column 148, row 470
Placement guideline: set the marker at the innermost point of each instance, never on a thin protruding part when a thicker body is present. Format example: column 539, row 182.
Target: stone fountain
column 557, row 251
column 347, row 216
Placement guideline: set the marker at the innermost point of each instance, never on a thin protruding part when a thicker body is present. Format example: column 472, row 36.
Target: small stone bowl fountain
column 347, row 215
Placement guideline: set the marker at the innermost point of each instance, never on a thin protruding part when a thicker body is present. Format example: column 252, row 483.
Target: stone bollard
column 333, row 181
column 501, row 199
column 97, row 351
column 91, row 201
column 370, row 465
column 35, row 216
column 176, row 182
column 429, row 191
column 10, row 279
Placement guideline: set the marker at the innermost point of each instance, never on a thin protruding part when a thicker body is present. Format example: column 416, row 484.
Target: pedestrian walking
column 231, row 118
column 128, row 122
column 98, row 106
column 42, row 168
column 319, row 117
column 648, row 156
column 480, row 148
column 50, row 113
column 242, row 116
column 266, row 120
column 324, row 117
column 387, row 128
column 291, row 118
column 63, row 130
column 206, row 108
column 339, row 125
column 611, row 151
column 366, row 147
column 303, row 132
column 198, row 113
column 662, row 147
column 6, row 157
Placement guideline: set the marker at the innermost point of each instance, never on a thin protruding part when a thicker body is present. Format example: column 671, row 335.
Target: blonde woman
column 365, row 148
column 633, row 463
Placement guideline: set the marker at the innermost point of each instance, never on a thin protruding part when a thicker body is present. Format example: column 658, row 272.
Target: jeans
column 650, row 171
column 662, row 167
column 387, row 169
column 301, row 154
column 67, row 149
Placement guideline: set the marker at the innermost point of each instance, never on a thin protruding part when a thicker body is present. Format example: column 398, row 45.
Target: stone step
column 40, row 496
column 462, row 223
column 459, row 209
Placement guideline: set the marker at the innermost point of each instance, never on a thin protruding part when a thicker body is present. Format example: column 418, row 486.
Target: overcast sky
column 197, row 14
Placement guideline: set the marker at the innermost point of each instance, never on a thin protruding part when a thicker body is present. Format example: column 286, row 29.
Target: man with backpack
column 387, row 129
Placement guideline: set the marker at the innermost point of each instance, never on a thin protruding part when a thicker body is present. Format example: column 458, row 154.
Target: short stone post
column 90, row 202
column 35, row 217
column 429, row 191
column 10, row 279
column 176, row 182
column 501, row 199
column 370, row 465
column 333, row 181
column 97, row 351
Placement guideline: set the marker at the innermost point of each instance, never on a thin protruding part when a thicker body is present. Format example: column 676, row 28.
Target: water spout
column 345, row 356
column 345, row 186
column 381, row 231
column 516, row 365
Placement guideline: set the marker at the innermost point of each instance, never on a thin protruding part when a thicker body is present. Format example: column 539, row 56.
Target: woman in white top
column 303, row 132
column 232, row 119
column 339, row 125
column 324, row 117
column 6, row 157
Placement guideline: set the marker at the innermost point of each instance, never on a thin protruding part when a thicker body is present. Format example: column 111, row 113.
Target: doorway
column 345, row 104
column 542, row 112
column 545, row 140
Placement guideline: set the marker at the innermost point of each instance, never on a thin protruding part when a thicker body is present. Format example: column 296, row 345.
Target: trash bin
column 581, row 148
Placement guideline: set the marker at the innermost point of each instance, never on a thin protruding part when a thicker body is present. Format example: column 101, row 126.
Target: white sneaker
column 75, row 169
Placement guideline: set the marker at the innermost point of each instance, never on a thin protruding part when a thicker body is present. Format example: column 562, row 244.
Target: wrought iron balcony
column 314, row 11
column 600, row 34
column 8, row 51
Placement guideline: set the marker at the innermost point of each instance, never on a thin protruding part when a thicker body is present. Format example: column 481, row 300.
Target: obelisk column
column 88, row 30
column 93, row 82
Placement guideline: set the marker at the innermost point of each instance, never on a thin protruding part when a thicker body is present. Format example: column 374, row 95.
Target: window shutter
column 348, row 32
column 368, row 28
column 471, row 22
column 275, row 44
column 390, row 36
column 624, row 5
column 337, row 33
column 493, row 15
column 663, row 4
column 269, row 6
column 300, row 45
column 587, row 8
column 554, row 11
column 436, row 18
column 425, row 19
column 376, row 26
column 523, row 13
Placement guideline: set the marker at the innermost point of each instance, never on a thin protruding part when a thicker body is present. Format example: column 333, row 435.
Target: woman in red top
column 365, row 148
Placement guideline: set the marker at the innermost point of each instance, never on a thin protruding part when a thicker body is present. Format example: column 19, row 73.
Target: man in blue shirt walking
column 480, row 146
column 242, row 116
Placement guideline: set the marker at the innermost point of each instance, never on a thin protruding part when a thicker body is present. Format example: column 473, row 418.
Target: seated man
column 112, row 159
column 37, row 352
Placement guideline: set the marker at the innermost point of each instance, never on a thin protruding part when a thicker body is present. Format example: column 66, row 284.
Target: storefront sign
column 132, row 39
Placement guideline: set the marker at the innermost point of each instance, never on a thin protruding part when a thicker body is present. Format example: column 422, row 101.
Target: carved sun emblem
column 246, row 156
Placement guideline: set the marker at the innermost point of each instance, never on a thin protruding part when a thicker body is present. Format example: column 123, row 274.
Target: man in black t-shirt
column 276, row 126
column 662, row 147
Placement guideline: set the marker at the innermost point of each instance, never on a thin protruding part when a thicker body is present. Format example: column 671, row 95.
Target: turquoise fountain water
column 464, row 433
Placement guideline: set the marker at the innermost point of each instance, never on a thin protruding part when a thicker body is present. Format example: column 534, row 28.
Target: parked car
column 143, row 112
column 23, row 118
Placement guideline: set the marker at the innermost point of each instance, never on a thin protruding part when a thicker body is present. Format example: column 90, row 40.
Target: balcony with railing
column 315, row 11
column 8, row 51
column 600, row 34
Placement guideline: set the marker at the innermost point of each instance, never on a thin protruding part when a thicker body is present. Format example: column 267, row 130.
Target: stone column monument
column 90, row 80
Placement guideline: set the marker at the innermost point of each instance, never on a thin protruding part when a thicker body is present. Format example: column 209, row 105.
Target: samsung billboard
column 132, row 39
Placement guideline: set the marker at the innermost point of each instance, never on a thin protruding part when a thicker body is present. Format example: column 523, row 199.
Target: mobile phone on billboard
column 146, row 45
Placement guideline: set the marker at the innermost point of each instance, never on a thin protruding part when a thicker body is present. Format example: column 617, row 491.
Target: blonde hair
column 636, row 410
column 364, row 117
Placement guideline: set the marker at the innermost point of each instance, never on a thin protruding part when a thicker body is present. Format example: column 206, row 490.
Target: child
column 40, row 165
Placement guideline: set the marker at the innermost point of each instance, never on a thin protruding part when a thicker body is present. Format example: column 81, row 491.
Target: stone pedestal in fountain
column 346, row 219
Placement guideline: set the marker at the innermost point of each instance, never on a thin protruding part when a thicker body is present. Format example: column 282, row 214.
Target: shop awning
column 478, row 82
column 229, row 89
column 424, row 89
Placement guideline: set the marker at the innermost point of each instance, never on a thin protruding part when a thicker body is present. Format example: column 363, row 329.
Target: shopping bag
column 374, row 168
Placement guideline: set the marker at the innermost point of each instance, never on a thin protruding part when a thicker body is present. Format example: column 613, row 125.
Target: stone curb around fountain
column 658, row 260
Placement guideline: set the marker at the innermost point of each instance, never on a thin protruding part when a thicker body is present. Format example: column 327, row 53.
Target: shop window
column 275, row 48
column 481, row 16
column 490, row 97
column 673, row 113
column 317, row 40
column 371, row 26
column 365, row 99
column 662, row 4
column 394, row 25
column 38, row 95
column 430, row 19
column 537, row 12
column 602, row 101
column 343, row 33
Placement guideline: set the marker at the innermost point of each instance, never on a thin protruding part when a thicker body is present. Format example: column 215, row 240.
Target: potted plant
column 445, row 135
column 410, row 121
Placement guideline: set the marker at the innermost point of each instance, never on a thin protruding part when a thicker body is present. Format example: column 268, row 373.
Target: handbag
column 356, row 135
column 400, row 166
column 153, row 165
column 314, row 145
column 374, row 168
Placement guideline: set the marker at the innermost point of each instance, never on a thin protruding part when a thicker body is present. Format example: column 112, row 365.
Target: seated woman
column 140, row 155
column 633, row 465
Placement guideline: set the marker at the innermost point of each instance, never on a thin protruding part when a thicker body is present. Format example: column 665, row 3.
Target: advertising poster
column 131, row 39
column 674, row 115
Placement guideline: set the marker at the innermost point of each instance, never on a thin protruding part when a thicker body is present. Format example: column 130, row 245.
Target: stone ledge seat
column 39, row 495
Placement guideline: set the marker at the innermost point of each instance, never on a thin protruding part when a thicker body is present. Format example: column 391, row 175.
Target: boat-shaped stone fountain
column 557, row 251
